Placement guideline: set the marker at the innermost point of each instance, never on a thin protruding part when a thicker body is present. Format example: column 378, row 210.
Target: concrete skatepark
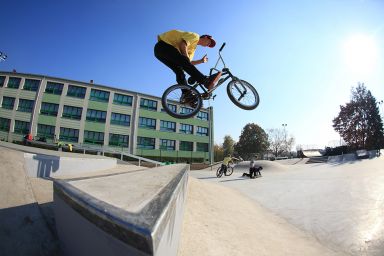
column 294, row 209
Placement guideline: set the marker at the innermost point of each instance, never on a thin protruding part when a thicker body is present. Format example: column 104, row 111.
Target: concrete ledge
column 39, row 165
column 136, row 213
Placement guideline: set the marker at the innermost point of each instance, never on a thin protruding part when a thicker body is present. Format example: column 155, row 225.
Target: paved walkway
column 341, row 205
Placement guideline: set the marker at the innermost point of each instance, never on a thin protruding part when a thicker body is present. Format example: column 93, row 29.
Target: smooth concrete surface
column 39, row 165
column 135, row 213
column 23, row 229
column 340, row 204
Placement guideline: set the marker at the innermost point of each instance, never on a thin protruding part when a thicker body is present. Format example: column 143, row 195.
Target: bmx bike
column 240, row 92
column 220, row 171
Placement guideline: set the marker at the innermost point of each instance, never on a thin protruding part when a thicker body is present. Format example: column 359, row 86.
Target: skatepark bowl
column 57, row 203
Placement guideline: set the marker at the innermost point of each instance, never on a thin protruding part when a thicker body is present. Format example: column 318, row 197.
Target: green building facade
column 86, row 114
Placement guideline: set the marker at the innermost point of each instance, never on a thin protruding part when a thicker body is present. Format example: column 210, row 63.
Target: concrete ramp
column 23, row 230
column 135, row 213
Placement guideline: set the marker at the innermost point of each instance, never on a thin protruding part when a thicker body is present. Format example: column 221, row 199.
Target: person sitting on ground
column 254, row 170
column 176, row 48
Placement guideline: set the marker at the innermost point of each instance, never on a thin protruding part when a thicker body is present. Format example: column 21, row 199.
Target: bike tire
column 219, row 173
column 235, row 86
column 229, row 171
column 172, row 96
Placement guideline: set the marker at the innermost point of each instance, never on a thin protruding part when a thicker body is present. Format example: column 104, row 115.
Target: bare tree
column 279, row 141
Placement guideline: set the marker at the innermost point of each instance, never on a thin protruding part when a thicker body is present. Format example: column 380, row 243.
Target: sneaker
column 211, row 80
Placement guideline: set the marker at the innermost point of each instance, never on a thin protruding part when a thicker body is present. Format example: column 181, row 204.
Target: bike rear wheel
column 243, row 94
column 178, row 106
column 219, row 173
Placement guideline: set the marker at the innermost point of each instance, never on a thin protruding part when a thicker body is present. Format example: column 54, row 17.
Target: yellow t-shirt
column 227, row 160
column 175, row 37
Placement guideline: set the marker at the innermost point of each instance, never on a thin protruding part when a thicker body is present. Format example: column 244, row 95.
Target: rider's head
column 207, row 40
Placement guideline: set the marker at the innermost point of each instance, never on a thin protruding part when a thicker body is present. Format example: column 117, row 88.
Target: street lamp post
column 285, row 137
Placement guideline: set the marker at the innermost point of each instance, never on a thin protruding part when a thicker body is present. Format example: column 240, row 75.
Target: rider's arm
column 183, row 48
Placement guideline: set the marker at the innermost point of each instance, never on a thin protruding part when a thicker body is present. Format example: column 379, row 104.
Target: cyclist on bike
column 228, row 159
column 176, row 49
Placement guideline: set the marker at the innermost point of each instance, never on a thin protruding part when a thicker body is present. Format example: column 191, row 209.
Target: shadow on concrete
column 236, row 179
column 24, row 231
column 207, row 178
column 46, row 165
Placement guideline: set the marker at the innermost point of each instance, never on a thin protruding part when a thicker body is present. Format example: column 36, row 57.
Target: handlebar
column 221, row 48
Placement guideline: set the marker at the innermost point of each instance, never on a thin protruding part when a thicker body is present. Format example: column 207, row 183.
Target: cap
column 213, row 42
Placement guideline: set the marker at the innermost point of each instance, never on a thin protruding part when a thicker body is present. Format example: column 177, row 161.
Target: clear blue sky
column 302, row 56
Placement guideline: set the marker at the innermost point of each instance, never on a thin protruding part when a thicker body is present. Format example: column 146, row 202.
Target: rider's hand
column 204, row 59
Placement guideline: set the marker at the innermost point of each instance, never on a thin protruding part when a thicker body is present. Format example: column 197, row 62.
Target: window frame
column 50, row 88
column 34, row 87
column 7, row 106
column 123, row 102
column 24, row 107
column 76, row 91
column 49, row 111
column 99, row 95
column 146, row 126
column 71, row 116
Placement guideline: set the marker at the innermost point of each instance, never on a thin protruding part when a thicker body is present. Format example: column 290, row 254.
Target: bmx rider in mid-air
column 176, row 49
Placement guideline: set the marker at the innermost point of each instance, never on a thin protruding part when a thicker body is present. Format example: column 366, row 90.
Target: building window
column 98, row 95
column 148, row 123
column 148, row 104
column 31, row 85
column 145, row 143
column 25, row 105
column 185, row 110
column 68, row 134
column 186, row 128
column 54, row 88
column 118, row 140
column 14, row 82
column 94, row 137
column 21, row 127
column 167, row 144
column 120, row 119
column 202, row 131
column 167, row 126
column 121, row 99
column 202, row 147
column 2, row 80
column 96, row 115
column 49, row 109
column 186, row 146
column 202, row 116
column 76, row 91
column 5, row 124
column 8, row 102
column 47, row 131
column 72, row 112
column 172, row 107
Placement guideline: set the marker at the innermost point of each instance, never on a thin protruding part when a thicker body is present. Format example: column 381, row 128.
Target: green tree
column 253, row 140
column 359, row 122
column 228, row 145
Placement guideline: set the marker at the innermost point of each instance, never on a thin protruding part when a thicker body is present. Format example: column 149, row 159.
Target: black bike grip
column 221, row 48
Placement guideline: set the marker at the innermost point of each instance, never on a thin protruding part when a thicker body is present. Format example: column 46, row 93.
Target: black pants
column 179, row 63
column 224, row 169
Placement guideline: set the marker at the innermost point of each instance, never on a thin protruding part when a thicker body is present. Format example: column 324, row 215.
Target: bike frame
column 226, row 74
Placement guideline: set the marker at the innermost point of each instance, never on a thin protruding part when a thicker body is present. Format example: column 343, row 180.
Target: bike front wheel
column 181, row 101
column 243, row 94
column 229, row 171
column 219, row 173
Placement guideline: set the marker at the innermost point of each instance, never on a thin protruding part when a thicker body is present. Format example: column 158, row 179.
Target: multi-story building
column 86, row 113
